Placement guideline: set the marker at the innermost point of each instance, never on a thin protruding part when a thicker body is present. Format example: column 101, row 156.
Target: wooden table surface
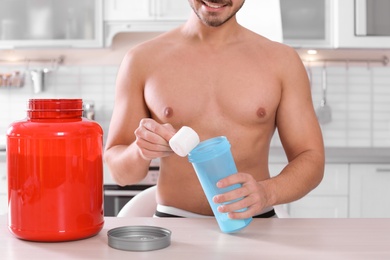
column 202, row 239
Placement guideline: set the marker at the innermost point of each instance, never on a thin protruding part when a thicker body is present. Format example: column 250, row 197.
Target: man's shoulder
column 163, row 39
column 274, row 50
column 152, row 50
column 258, row 40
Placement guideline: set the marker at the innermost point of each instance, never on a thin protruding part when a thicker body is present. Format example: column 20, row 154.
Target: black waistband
column 268, row 214
column 165, row 215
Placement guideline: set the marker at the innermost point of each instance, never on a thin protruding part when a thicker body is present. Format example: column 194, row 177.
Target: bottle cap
column 184, row 141
column 139, row 238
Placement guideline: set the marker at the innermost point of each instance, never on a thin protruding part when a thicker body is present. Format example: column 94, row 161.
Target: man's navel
column 168, row 112
column 261, row 113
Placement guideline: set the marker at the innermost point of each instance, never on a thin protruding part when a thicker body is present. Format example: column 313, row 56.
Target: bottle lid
column 139, row 238
column 184, row 141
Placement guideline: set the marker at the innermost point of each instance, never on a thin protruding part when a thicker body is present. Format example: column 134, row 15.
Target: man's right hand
column 152, row 139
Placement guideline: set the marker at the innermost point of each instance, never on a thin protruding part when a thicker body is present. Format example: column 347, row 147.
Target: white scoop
column 184, row 141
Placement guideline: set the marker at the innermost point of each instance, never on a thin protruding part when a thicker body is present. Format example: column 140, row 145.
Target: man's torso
column 232, row 91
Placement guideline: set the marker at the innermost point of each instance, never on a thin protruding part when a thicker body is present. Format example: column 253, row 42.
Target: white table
column 201, row 239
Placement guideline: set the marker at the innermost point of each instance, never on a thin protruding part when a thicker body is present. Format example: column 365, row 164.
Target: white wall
column 358, row 95
column 86, row 73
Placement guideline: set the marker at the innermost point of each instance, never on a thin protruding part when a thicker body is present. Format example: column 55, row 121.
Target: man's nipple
column 261, row 113
column 168, row 112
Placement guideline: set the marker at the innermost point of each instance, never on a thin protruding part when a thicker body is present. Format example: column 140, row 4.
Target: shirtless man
column 217, row 77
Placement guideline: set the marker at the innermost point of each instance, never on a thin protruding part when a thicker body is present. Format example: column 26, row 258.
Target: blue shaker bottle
column 213, row 161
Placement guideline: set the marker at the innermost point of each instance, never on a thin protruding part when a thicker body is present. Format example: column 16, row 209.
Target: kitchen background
column 357, row 94
column 357, row 79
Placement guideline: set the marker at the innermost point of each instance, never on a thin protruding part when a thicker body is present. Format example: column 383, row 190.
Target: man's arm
column 133, row 139
column 300, row 135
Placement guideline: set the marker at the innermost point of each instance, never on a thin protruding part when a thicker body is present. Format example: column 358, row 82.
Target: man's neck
column 215, row 36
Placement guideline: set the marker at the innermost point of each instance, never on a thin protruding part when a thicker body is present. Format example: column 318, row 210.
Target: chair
column 144, row 205
column 281, row 212
column 141, row 205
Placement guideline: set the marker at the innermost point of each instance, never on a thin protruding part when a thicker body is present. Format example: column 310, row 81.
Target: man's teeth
column 213, row 5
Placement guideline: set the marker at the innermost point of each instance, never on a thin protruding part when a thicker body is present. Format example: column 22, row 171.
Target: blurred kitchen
column 72, row 49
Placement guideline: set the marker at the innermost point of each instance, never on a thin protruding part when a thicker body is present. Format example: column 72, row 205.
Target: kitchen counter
column 342, row 155
column 201, row 239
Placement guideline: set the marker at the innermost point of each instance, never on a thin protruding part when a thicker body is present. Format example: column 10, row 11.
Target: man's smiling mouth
column 213, row 5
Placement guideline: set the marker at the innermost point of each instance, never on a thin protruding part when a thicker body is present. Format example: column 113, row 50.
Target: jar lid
column 184, row 141
column 139, row 238
column 55, row 104
column 54, row 108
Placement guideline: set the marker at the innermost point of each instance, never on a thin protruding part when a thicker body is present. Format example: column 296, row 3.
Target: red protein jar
column 55, row 173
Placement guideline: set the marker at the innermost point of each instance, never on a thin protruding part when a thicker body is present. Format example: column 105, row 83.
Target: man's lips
column 214, row 5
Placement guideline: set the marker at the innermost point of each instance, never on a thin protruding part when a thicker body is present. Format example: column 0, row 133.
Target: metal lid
column 139, row 238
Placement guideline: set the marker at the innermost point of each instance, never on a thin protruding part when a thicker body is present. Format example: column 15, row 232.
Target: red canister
column 55, row 173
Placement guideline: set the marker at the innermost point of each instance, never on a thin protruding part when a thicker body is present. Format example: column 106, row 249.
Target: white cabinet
column 370, row 191
column 122, row 10
column 328, row 200
column 143, row 16
column 320, row 207
column 308, row 23
column 47, row 23
column 363, row 24
column 3, row 186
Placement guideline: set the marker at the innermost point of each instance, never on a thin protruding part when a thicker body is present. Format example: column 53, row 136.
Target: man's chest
column 220, row 93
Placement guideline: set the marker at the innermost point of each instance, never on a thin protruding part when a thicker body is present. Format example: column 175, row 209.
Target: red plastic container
column 55, row 173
